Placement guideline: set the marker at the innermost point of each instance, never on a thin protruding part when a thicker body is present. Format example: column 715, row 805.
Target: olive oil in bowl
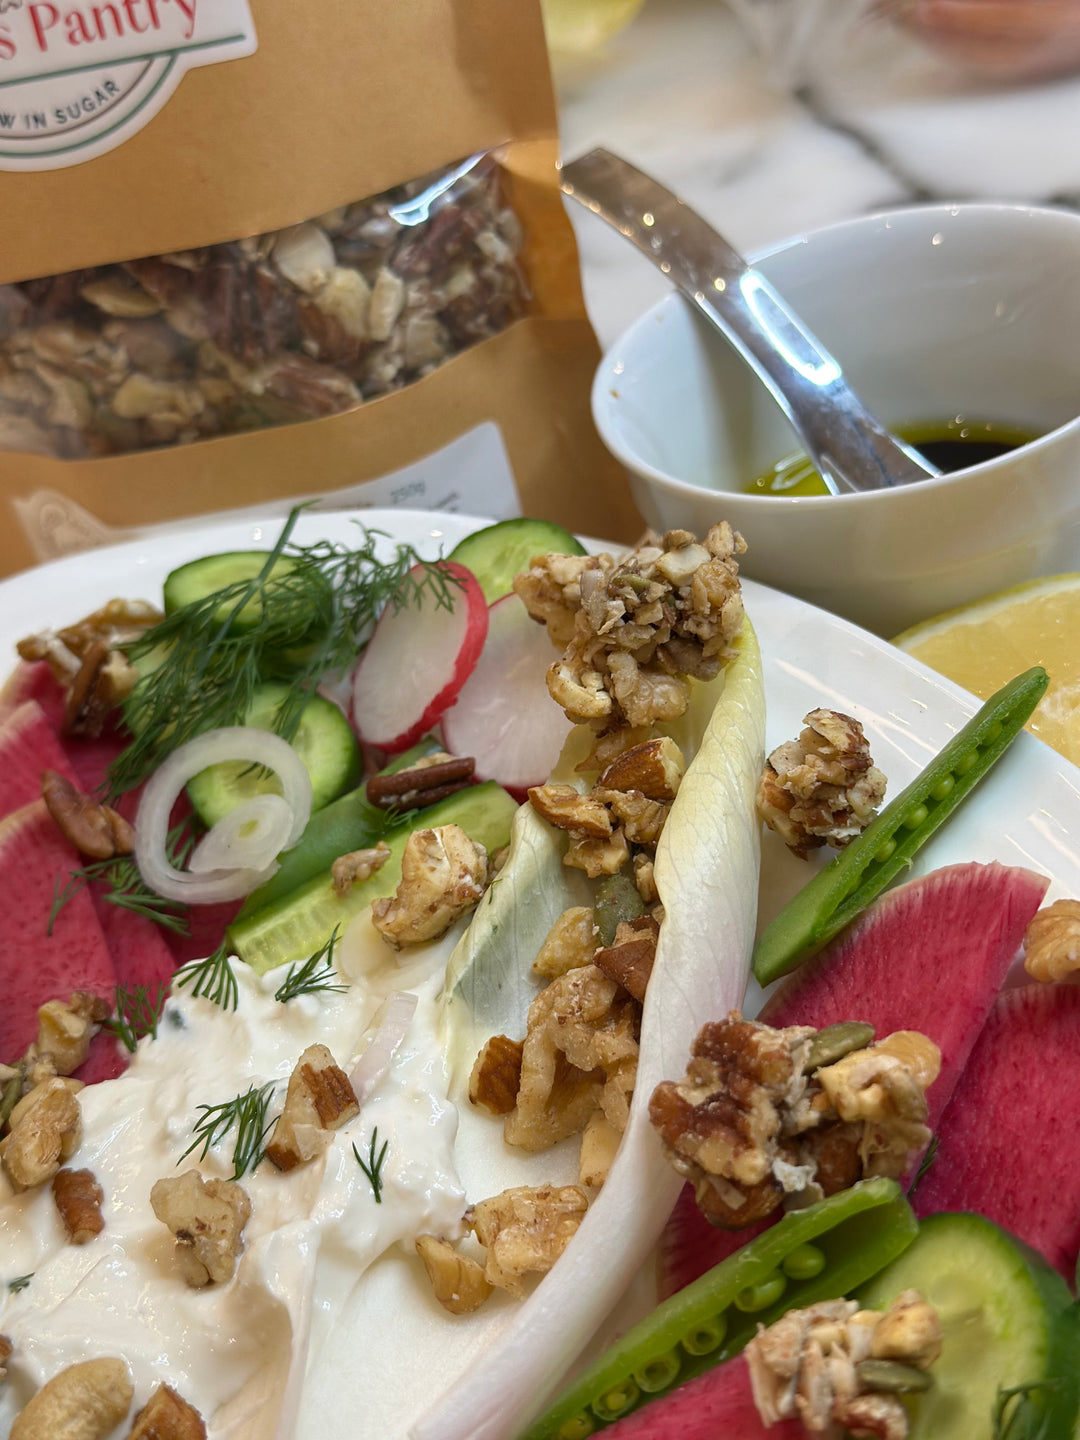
column 955, row 445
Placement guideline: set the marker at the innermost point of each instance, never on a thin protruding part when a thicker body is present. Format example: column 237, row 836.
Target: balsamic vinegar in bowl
column 956, row 444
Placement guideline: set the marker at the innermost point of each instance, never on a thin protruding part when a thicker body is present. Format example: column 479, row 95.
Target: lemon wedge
column 986, row 643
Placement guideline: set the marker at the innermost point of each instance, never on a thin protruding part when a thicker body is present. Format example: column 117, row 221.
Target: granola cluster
column 290, row 325
column 822, row 788
column 838, row 1368
column 766, row 1117
column 634, row 631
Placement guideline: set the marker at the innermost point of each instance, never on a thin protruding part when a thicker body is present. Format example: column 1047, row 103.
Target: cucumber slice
column 296, row 926
column 1007, row 1321
column 200, row 578
column 325, row 742
column 496, row 554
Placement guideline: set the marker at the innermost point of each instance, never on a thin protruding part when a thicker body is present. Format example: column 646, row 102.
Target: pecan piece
column 629, row 960
column 496, row 1075
column 78, row 1198
column 430, row 779
column 167, row 1416
column 96, row 830
column 319, row 1099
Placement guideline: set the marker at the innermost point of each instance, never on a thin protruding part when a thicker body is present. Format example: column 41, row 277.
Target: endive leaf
column 706, row 872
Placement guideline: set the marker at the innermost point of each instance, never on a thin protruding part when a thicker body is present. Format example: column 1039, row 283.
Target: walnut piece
column 66, row 1029
column 319, row 1099
column 756, row 1121
column 167, row 1416
column 809, row 1364
column 634, row 629
column 83, row 1402
column 357, row 866
column 525, row 1230
column 654, row 767
column 1052, row 942
column 96, row 830
column 44, row 1130
column 570, row 942
column 582, row 1032
column 565, row 807
column 443, row 874
column 496, row 1075
column 598, row 857
column 459, row 1282
column 208, row 1218
column 822, row 788
column 78, row 1198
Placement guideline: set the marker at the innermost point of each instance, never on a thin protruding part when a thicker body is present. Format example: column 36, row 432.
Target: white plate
column 1028, row 813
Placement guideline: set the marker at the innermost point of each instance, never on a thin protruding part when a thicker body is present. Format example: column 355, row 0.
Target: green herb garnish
column 247, row 1113
column 319, row 607
column 212, row 977
column 20, row 1283
column 136, row 1014
column 1016, row 1416
column 373, row 1167
column 924, row 1165
column 308, row 978
column 126, row 887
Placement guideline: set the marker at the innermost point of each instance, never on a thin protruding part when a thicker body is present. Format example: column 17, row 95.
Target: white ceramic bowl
column 934, row 312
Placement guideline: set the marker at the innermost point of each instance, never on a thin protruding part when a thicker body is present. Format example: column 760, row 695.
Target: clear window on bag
column 292, row 325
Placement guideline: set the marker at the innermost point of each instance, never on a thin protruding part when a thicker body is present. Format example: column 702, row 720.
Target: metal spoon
column 852, row 450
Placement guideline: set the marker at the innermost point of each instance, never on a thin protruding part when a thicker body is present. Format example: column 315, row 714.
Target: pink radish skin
column 1009, row 1141
column 504, row 715
column 416, row 662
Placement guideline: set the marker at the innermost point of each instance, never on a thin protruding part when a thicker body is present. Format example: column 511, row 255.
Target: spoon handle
column 850, row 447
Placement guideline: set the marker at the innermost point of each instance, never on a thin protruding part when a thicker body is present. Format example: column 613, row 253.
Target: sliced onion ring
column 383, row 1036
column 252, row 835
column 232, row 742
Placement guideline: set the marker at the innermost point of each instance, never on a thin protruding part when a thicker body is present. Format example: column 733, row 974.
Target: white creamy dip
column 228, row 1348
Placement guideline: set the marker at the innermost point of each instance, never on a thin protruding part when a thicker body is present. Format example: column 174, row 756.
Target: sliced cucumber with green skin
column 300, row 923
column 348, row 823
column 1008, row 1320
column 203, row 577
column 496, row 554
column 325, row 743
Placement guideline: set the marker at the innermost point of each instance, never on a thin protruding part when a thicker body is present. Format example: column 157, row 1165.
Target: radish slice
column 504, row 715
column 416, row 661
column 383, row 1037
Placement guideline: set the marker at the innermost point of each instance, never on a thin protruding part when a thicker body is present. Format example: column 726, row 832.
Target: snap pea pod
column 819, row 1253
column 844, row 888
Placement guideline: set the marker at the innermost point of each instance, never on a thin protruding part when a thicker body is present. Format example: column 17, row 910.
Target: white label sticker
column 76, row 80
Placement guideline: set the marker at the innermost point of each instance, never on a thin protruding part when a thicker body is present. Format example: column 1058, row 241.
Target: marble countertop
column 882, row 123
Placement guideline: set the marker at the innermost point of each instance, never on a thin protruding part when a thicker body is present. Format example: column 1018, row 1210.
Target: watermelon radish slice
column 416, row 662
column 931, row 956
column 137, row 946
column 28, row 745
column 35, row 967
column 718, row 1405
column 504, row 715
column 33, row 680
column 1009, row 1143
column 91, row 759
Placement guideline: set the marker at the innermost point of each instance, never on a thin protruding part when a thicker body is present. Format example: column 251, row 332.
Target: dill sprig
column 308, row 978
column 126, row 887
column 136, row 1015
column 318, row 604
column 372, row 1168
column 20, row 1283
column 213, row 977
column 924, row 1165
column 247, row 1114
column 1017, row 1417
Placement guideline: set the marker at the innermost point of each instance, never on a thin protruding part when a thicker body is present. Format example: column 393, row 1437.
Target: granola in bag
column 289, row 275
